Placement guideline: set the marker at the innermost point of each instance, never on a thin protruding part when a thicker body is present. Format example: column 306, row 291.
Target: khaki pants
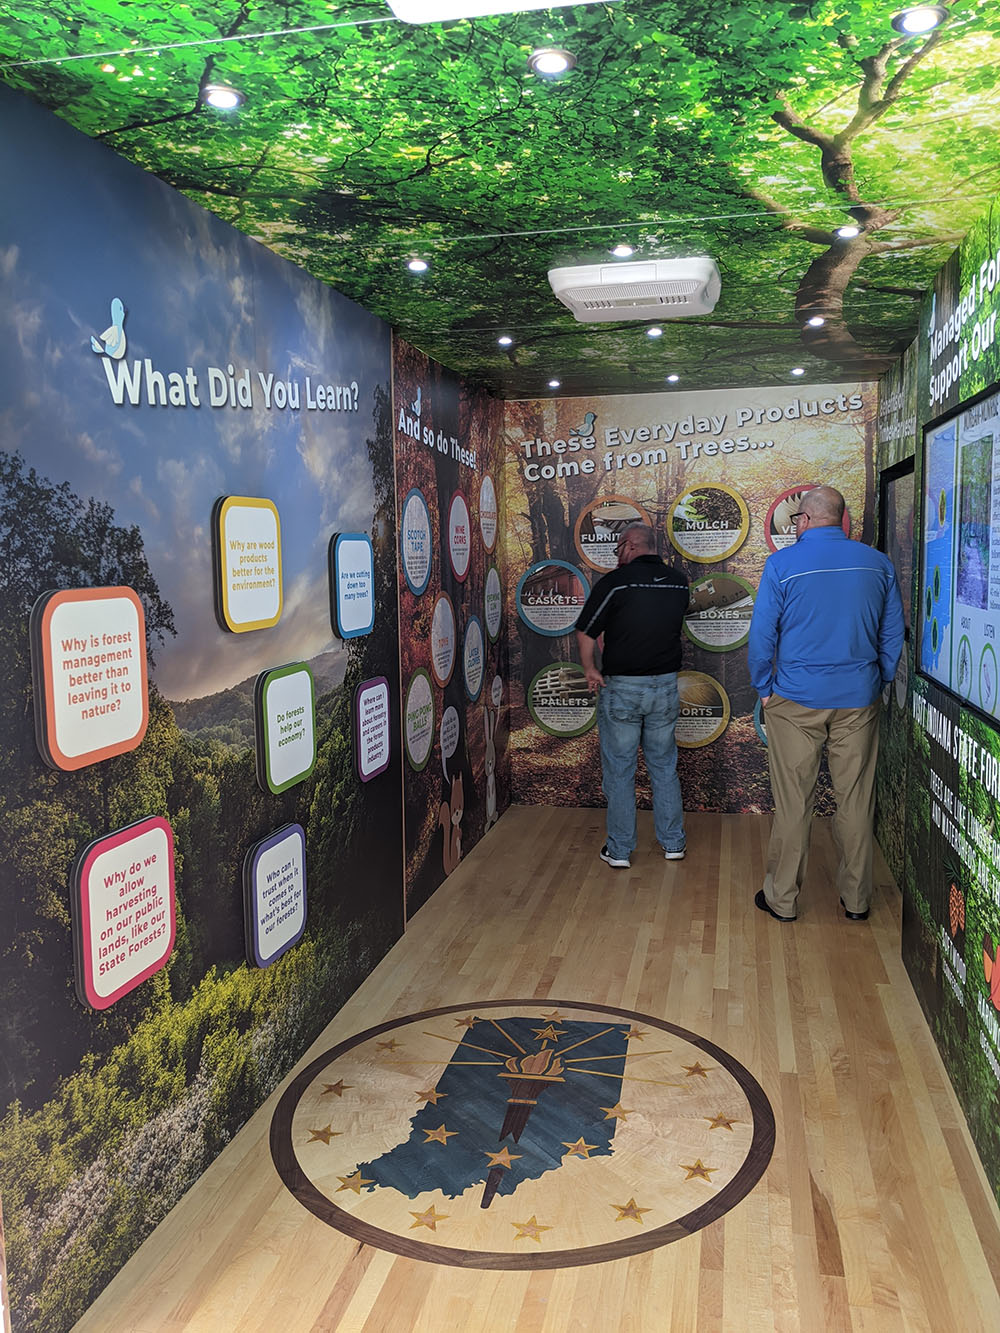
column 795, row 739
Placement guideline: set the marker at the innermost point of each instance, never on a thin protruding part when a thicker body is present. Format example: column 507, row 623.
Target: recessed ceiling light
column 554, row 384
column 848, row 231
column 798, row 370
column 622, row 251
column 654, row 332
column 417, row 265
column 505, row 340
column 918, row 19
column 551, row 60
column 815, row 321
column 672, row 379
column 222, row 96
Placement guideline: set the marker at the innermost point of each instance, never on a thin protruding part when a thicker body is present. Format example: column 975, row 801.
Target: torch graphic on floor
column 528, row 1075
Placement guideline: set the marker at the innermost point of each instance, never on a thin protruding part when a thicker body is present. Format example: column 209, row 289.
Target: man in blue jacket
column 826, row 635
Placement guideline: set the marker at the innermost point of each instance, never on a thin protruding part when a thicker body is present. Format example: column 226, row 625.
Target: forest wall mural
column 143, row 343
column 945, row 743
column 717, row 475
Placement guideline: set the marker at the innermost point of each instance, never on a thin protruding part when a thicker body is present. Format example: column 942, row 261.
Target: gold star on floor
column 428, row 1219
column 353, row 1182
column 469, row 1021
column 617, row 1112
column 530, row 1230
column 502, row 1158
column 324, row 1135
column 697, row 1170
column 547, row 1034
column 721, row 1121
column 628, row 1212
column 336, row 1088
column 432, row 1095
column 389, row 1045
column 635, row 1034
column 696, row 1070
column 555, row 1017
column 579, row 1148
column 439, row 1135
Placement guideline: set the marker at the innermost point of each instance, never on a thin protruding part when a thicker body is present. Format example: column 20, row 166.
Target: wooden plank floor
column 872, row 1215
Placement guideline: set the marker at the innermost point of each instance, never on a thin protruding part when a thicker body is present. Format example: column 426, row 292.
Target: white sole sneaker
column 620, row 863
column 674, row 856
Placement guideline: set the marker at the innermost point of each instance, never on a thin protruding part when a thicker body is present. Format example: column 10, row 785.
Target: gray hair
column 641, row 534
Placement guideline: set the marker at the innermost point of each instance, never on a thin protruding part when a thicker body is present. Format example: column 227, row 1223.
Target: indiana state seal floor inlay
column 522, row 1134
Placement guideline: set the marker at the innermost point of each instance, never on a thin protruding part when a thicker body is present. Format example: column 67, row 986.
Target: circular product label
column 459, row 537
column 496, row 691
column 418, row 719
column 779, row 530
column 488, row 514
column 760, row 721
column 599, row 527
column 493, row 603
column 987, row 680
column 473, row 658
column 550, row 597
column 443, row 640
column 704, row 710
column 449, row 733
column 963, row 675
column 718, row 618
column 708, row 523
column 416, row 542
column 560, row 701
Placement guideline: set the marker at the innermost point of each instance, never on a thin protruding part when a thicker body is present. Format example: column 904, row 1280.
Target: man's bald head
column 824, row 505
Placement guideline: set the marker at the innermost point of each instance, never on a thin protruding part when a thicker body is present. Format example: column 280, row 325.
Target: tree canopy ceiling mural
column 745, row 131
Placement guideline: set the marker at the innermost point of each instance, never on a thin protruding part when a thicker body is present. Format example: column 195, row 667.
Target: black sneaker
column 621, row 862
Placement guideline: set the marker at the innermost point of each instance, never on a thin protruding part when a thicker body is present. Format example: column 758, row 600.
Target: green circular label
column 718, row 618
column 560, row 701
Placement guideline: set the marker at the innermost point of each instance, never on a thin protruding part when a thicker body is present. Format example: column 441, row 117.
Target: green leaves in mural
column 747, row 131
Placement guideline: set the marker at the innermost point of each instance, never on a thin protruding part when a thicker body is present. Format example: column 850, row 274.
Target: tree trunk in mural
column 822, row 289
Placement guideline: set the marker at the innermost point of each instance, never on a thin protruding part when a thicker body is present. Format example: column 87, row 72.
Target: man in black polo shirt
column 639, row 608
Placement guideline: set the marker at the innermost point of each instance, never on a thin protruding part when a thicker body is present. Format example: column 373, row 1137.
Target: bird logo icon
column 417, row 402
column 112, row 341
column 588, row 425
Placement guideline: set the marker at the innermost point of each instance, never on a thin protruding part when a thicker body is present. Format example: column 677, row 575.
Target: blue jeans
column 630, row 710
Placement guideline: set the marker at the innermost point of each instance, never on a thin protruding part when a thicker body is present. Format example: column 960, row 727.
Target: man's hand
column 586, row 646
column 764, row 698
column 594, row 678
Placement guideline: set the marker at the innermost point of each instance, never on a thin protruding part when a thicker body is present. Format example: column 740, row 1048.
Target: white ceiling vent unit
column 650, row 289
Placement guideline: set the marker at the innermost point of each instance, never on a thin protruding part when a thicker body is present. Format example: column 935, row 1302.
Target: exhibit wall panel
column 191, row 884
column 896, row 435
column 453, row 636
column 718, row 476
column 951, row 865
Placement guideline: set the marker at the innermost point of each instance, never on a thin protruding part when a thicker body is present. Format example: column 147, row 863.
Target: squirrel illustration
column 450, row 819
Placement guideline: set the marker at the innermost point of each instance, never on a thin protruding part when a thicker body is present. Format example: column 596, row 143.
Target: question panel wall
column 202, row 850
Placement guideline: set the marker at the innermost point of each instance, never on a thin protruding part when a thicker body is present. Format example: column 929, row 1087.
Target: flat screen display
column 959, row 611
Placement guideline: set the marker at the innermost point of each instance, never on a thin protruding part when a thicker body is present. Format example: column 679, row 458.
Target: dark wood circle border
column 298, row 1183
